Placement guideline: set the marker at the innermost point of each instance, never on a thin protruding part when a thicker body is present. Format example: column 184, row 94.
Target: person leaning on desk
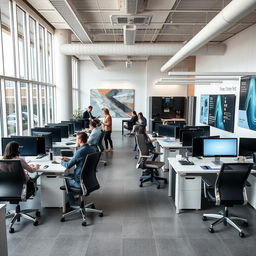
column 12, row 153
column 77, row 160
column 87, row 116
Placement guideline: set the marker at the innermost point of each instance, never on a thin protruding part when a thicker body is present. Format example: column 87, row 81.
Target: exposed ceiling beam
column 69, row 13
column 212, row 73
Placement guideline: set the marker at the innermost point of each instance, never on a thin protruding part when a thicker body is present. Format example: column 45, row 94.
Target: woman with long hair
column 107, row 123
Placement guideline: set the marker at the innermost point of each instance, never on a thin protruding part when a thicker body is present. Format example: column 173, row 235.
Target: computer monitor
column 64, row 129
column 78, row 124
column 222, row 147
column 41, row 149
column 201, row 127
column 185, row 130
column 197, row 145
column 70, row 126
column 167, row 130
column 247, row 146
column 56, row 132
column 28, row 145
column 47, row 136
column 187, row 136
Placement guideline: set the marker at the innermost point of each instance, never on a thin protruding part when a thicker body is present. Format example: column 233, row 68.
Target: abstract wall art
column 120, row 102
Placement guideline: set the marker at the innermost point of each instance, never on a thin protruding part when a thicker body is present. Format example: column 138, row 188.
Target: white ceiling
column 172, row 21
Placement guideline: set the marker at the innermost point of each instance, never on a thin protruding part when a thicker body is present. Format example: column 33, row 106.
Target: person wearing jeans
column 107, row 123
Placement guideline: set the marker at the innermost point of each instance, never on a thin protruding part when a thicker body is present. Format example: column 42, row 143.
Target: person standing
column 87, row 116
column 107, row 123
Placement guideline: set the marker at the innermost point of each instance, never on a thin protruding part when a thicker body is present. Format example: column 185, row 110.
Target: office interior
column 189, row 67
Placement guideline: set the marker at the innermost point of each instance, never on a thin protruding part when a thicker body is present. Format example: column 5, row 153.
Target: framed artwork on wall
column 120, row 102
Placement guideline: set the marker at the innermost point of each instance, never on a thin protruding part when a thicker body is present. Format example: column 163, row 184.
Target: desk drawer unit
column 251, row 191
column 190, row 192
column 51, row 195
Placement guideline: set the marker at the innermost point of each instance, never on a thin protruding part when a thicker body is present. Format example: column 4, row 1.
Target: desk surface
column 172, row 144
column 196, row 168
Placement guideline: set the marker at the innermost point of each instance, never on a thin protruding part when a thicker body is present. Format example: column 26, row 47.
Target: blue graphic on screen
column 219, row 114
column 204, row 109
column 220, row 147
column 247, row 107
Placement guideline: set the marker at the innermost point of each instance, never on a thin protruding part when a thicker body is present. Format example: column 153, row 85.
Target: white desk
column 3, row 238
column 187, row 185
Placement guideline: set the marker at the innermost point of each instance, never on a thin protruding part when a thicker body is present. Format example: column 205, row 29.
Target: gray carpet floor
column 137, row 221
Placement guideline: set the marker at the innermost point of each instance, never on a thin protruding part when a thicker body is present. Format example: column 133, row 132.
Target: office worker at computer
column 12, row 153
column 94, row 135
column 141, row 120
column 148, row 141
column 107, row 124
column 87, row 116
column 78, row 161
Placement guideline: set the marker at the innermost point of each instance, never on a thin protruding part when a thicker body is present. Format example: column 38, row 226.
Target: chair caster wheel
column 38, row 214
column 211, row 230
column 141, row 185
column 84, row 223
column 101, row 214
column 93, row 206
column 245, row 224
column 241, row 234
column 62, row 219
column 158, row 187
column 204, row 218
column 11, row 230
column 36, row 223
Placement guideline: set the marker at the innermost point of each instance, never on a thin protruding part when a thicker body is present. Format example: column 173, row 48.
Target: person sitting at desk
column 87, row 116
column 142, row 121
column 132, row 121
column 12, row 153
column 77, row 160
column 148, row 141
column 94, row 135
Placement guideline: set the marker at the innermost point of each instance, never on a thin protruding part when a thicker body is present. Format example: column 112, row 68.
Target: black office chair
column 146, row 161
column 129, row 127
column 89, row 183
column 14, row 189
column 229, row 189
column 101, row 147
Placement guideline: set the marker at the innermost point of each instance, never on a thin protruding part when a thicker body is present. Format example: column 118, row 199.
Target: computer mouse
column 46, row 166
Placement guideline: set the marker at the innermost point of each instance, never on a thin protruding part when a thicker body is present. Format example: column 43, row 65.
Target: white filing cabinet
column 251, row 191
column 189, row 196
column 3, row 239
column 51, row 195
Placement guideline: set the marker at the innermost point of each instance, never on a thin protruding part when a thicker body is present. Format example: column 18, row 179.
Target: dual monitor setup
column 42, row 138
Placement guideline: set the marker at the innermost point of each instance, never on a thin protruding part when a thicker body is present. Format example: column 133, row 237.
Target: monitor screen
column 187, row 136
column 222, row 147
column 28, row 145
column 56, row 132
column 167, row 130
column 47, row 136
column 70, row 126
column 197, row 145
column 64, row 129
column 186, row 130
column 78, row 124
column 247, row 146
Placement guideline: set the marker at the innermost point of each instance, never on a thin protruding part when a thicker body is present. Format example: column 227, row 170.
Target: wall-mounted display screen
column 247, row 105
column 204, row 109
column 222, row 111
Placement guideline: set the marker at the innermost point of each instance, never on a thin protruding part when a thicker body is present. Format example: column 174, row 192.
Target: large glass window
column 32, row 48
column 21, row 32
column 50, row 104
column 7, row 38
column 43, row 104
column 24, row 107
column 35, row 106
column 42, row 53
column 49, row 57
column 10, row 99
column 75, row 89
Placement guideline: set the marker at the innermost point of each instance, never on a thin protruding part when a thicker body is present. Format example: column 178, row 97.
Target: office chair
column 147, row 162
column 128, row 127
column 229, row 189
column 89, row 183
column 101, row 147
column 13, row 188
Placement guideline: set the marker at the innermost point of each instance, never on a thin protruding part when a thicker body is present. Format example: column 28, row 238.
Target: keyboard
column 40, row 156
column 70, row 143
column 185, row 162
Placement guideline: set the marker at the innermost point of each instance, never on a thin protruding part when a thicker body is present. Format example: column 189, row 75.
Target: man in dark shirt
column 77, row 160
column 87, row 116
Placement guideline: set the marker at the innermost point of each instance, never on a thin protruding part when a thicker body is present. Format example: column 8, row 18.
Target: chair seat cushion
column 153, row 164
column 10, row 191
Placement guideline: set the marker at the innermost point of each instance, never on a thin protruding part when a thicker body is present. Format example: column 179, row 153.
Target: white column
column 63, row 76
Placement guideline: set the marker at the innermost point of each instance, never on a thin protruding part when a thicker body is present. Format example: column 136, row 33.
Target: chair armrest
column 248, row 184
column 209, row 179
column 157, row 153
column 145, row 156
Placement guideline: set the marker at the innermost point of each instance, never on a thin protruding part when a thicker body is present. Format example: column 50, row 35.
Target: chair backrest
column 230, row 183
column 88, row 178
column 142, row 146
column 99, row 144
column 12, row 181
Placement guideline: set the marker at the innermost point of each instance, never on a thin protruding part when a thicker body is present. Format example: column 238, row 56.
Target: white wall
column 241, row 57
column 141, row 77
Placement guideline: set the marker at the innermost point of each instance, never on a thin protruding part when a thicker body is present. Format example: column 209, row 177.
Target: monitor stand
column 217, row 161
